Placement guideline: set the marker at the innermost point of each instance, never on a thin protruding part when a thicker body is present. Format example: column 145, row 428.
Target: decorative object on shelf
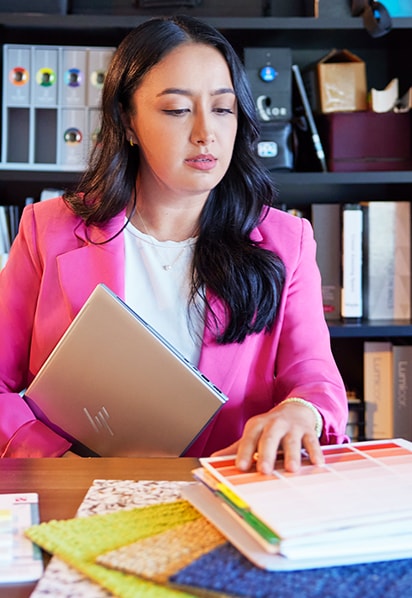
column 337, row 82
column 270, row 77
column 384, row 100
column 376, row 17
column 303, row 104
column 50, row 108
column 367, row 141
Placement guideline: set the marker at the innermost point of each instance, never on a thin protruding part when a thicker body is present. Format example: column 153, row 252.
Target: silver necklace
column 170, row 265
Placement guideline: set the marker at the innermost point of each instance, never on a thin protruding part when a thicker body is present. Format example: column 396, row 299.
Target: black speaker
column 275, row 148
column 269, row 71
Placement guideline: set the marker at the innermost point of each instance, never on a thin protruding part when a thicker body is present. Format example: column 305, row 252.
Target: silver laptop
column 117, row 388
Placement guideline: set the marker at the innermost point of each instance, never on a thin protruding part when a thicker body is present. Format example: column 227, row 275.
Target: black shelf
column 371, row 329
column 298, row 189
column 295, row 189
column 126, row 21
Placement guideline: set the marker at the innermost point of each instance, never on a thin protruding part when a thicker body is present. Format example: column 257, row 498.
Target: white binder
column 17, row 73
column 71, row 139
column 73, row 77
column 45, row 76
column 98, row 62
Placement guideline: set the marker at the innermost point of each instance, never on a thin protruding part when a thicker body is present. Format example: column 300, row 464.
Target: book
column 354, row 509
column 20, row 559
column 352, row 261
column 402, row 387
column 326, row 223
column 378, row 389
column 388, row 260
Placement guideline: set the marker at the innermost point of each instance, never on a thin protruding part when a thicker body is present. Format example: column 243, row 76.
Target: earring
column 131, row 141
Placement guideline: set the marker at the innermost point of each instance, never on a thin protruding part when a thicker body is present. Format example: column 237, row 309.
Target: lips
column 202, row 162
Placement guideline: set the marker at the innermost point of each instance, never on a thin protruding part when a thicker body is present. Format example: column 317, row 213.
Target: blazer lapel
column 82, row 269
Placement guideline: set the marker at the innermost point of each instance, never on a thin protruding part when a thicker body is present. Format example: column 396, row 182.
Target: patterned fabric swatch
column 103, row 496
column 81, row 540
column 158, row 557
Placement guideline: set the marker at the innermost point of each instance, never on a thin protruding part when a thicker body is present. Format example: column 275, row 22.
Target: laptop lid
column 117, row 388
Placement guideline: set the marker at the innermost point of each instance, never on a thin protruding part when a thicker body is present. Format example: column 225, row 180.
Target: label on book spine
column 402, row 386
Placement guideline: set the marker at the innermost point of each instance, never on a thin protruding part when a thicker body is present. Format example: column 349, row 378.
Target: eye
column 177, row 111
column 223, row 110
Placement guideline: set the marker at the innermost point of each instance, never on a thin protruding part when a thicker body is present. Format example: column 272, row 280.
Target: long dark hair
column 227, row 263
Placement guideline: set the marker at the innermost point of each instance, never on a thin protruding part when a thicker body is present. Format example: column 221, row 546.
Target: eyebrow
column 187, row 92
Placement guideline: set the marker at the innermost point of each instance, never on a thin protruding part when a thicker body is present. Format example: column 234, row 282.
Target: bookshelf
column 310, row 39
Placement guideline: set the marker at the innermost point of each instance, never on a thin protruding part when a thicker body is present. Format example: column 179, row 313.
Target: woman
column 175, row 215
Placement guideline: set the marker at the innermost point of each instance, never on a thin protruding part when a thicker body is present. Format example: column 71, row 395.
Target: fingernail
column 242, row 464
column 265, row 468
column 293, row 466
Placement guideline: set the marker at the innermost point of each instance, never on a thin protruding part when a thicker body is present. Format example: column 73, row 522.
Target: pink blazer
column 52, row 269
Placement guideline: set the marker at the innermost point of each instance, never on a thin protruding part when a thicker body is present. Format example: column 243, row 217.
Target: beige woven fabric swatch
column 158, row 557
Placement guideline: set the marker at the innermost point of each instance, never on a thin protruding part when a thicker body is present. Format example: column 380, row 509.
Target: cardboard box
column 367, row 141
column 337, row 83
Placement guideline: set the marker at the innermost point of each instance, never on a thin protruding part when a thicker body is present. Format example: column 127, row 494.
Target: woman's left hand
column 288, row 427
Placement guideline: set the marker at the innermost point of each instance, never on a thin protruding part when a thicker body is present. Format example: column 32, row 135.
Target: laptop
column 116, row 388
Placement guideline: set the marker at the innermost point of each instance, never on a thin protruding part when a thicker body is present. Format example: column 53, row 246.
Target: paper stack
column 354, row 509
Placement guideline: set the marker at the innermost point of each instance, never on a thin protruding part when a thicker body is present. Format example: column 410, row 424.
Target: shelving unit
column 310, row 39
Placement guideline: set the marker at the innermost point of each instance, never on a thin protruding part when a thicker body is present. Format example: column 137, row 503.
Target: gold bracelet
column 319, row 420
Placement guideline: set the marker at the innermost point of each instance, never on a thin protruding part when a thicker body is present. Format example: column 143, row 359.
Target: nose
column 202, row 132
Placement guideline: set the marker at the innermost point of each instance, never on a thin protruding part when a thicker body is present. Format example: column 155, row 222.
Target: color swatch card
column 20, row 559
column 355, row 508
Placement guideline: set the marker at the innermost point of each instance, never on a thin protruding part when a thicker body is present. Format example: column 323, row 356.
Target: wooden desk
column 62, row 483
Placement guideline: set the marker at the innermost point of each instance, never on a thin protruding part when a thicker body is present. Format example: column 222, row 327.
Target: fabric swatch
column 80, row 541
column 158, row 557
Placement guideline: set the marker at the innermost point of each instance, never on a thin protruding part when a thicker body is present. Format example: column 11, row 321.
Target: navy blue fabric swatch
column 226, row 571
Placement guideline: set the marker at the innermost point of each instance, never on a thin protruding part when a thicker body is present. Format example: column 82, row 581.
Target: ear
column 130, row 135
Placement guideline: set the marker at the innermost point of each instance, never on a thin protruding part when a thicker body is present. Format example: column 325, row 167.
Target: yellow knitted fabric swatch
column 80, row 541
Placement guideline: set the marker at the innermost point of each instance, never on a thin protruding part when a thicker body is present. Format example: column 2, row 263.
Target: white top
column 157, row 281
